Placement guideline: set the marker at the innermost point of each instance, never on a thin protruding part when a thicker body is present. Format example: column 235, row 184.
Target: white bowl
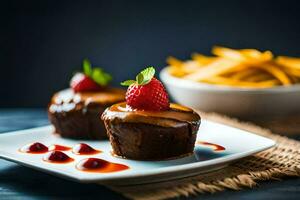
column 240, row 102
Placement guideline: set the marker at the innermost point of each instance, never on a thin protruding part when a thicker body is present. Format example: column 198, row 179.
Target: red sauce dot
column 34, row 148
column 57, row 157
column 99, row 166
column 94, row 163
column 84, row 149
column 215, row 147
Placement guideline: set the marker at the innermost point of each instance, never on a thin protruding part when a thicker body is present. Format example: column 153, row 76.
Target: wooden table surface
column 18, row 182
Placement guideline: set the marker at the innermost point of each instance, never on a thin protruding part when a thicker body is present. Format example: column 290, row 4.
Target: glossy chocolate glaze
column 67, row 100
column 176, row 116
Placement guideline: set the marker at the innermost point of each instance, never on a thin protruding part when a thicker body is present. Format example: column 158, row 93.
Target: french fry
column 244, row 74
column 191, row 66
column 248, row 68
column 202, row 59
column 172, row 61
column 184, row 69
column 231, row 82
column 255, row 55
column 175, row 67
column 294, row 79
column 176, row 71
column 292, row 72
column 251, row 53
column 262, row 76
column 213, row 69
column 289, row 62
column 276, row 72
column 248, row 56
column 228, row 53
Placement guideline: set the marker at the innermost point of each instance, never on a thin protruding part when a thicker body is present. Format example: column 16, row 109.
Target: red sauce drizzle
column 84, row 149
column 57, row 157
column 57, row 147
column 215, row 147
column 97, row 165
column 34, row 148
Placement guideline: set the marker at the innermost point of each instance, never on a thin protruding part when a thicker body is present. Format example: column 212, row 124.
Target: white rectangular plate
column 238, row 144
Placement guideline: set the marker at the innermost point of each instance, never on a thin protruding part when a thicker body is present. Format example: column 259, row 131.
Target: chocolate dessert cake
column 77, row 115
column 147, row 126
column 76, row 112
column 147, row 135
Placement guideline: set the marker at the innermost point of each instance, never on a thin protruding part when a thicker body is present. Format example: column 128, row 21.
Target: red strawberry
column 81, row 82
column 146, row 92
column 90, row 80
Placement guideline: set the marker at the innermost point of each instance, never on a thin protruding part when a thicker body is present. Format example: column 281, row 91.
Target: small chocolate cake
column 151, row 135
column 77, row 114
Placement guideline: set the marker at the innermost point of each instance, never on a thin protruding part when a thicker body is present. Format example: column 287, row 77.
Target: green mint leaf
column 143, row 78
column 128, row 82
column 148, row 74
column 100, row 77
column 87, row 67
column 96, row 74
column 139, row 78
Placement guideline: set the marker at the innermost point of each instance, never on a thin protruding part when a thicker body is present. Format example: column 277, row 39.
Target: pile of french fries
column 248, row 68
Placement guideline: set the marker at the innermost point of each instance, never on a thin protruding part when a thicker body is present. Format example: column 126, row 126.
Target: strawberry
column 146, row 92
column 80, row 82
column 90, row 80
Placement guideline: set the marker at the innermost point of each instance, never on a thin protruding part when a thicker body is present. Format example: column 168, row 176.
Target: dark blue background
column 43, row 42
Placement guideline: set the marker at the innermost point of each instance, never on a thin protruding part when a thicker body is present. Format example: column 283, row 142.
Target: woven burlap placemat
column 283, row 160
